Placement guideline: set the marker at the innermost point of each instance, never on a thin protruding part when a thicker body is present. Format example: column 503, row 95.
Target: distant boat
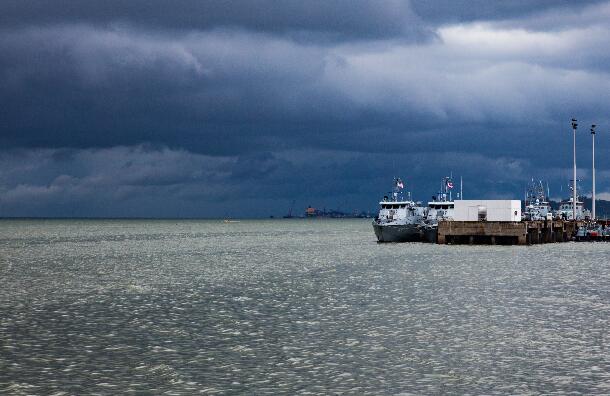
column 289, row 215
column 230, row 221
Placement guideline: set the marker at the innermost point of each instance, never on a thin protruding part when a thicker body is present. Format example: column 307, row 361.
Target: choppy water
column 294, row 307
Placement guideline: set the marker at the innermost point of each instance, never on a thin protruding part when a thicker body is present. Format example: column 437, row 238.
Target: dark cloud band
column 238, row 92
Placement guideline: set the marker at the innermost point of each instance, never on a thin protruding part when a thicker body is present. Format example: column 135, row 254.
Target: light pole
column 593, row 194
column 574, row 126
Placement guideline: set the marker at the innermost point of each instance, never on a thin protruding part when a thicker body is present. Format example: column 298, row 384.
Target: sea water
column 294, row 307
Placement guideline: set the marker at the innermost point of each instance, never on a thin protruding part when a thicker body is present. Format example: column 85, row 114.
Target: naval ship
column 566, row 206
column 439, row 209
column 537, row 206
column 399, row 219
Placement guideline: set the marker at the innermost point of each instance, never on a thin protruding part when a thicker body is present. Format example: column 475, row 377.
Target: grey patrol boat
column 399, row 218
column 441, row 208
column 537, row 206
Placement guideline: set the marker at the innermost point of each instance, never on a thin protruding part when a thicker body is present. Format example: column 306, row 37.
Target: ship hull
column 397, row 233
column 430, row 234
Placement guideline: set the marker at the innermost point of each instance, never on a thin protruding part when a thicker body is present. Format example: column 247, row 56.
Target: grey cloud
column 457, row 11
column 109, row 181
column 230, row 93
column 107, row 113
column 88, row 92
column 314, row 19
column 161, row 182
column 581, row 15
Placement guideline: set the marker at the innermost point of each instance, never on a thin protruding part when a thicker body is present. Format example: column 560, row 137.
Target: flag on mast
column 399, row 183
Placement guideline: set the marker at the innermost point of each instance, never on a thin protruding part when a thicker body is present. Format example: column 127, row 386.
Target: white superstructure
column 441, row 208
column 399, row 212
column 566, row 208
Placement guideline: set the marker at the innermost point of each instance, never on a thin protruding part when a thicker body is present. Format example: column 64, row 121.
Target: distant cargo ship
column 335, row 214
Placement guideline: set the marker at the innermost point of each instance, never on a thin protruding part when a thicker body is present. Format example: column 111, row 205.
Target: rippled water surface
column 294, row 307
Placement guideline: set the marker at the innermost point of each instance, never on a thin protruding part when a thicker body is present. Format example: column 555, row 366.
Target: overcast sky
column 236, row 108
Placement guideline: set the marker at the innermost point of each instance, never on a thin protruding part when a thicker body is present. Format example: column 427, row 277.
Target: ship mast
column 461, row 192
column 593, row 194
column 574, row 126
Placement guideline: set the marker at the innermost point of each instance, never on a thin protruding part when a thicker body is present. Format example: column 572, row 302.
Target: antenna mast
column 461, row 191
column 593, row 194
column 574, row 197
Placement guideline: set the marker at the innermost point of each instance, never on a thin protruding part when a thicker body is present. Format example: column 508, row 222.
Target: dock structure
column 506, row 232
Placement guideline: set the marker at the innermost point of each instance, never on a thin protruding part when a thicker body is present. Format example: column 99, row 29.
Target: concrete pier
column 506, row 233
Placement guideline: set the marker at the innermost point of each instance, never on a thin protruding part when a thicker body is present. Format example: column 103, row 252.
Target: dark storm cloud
column 226, row 92
column 148, row 181
column 156, row 107
column 459, row 11
column 339, row 19
column 62, row 182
